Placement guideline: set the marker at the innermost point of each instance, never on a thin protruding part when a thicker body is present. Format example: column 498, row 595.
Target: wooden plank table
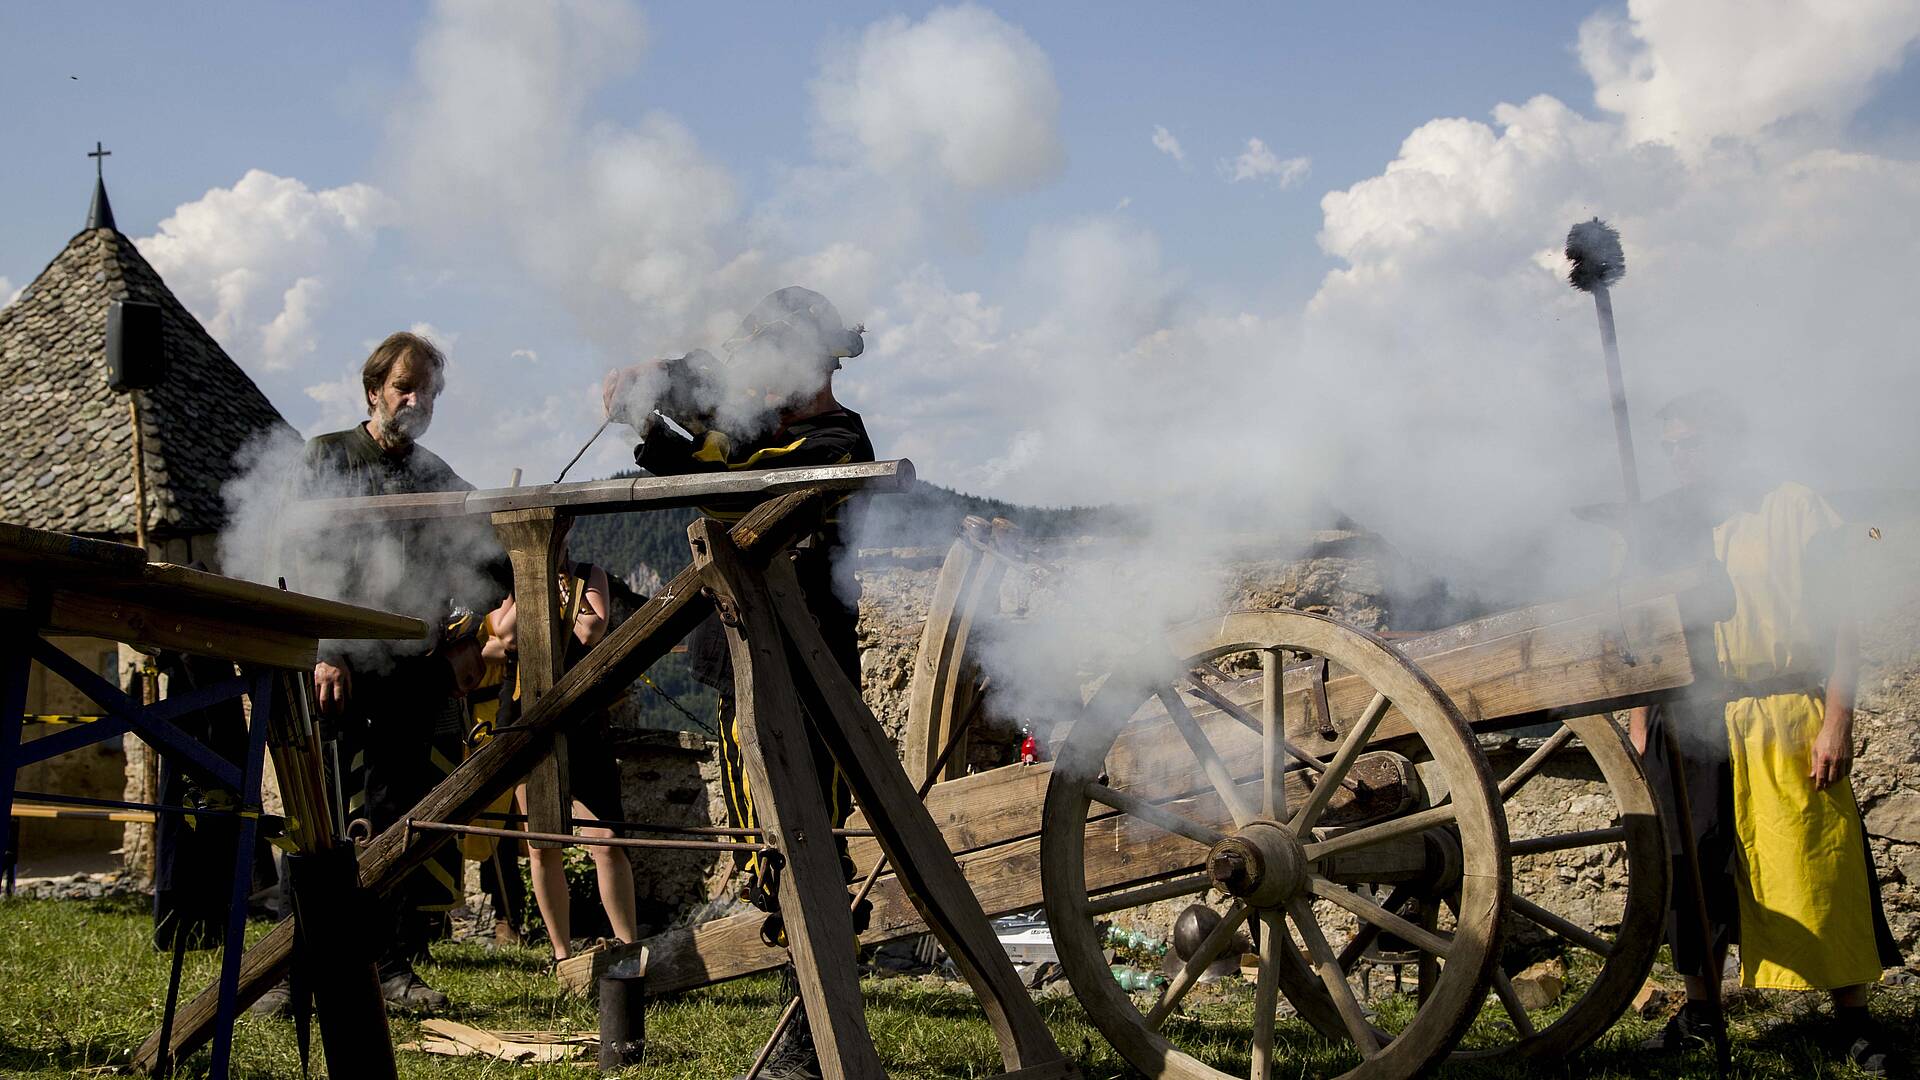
column 60, row 584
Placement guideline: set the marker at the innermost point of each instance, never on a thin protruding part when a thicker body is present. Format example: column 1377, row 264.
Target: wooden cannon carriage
column 1314, row 774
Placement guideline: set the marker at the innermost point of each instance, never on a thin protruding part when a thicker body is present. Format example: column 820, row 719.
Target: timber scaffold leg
column 781, row 664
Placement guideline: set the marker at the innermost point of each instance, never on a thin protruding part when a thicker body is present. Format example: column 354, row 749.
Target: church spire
column 100, row 215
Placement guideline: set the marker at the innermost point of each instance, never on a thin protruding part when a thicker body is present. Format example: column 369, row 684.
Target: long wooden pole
column 139, row 473
column 1676, row 770
column 1617, row 391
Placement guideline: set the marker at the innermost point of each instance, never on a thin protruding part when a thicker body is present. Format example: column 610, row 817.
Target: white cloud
column 252, row 261
column 961, row 94
column 1257, row 162
column 1764, row 259
column 529, row 355
column 445, row 339
column 1443, row 384
column 290, row 337
column 495, row 155
column 1687, row 71
column 1164, row 141
column 343, row 402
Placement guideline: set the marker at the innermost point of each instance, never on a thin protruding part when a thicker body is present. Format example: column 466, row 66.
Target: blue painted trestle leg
column 260, row 695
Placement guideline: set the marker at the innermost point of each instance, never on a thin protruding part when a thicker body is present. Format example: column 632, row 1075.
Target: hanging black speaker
column 136, row 357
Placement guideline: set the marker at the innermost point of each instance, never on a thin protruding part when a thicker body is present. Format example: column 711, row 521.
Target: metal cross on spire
column 100, row 215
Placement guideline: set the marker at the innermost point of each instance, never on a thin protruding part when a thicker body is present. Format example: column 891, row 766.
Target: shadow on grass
column 16, row 1060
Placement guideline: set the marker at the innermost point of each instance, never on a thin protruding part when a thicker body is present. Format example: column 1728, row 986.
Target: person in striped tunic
column 768, row 404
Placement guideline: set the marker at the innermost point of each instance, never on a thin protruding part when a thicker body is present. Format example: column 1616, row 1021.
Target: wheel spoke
column 1429, row 975
column 1364, row 935
column 1154, row 814
column 1381, row 917
column 1503, row 989
column 1273, row 742
column 1518, row 778
column 1580, row 936
column 1204, row 956
column 1540, row 845
column 1381, row 833
column 1350, row 748
column 1273, row 938
column 1210, row 763
column 1150, row 894
column 1221, row 702
column 1247, row 720
column 1335, row 979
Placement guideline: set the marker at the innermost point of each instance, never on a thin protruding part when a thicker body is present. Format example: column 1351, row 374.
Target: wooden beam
column 540, row 641
column 786, row 801
column 619, row 496
column 1121, row 852
column 167, row 626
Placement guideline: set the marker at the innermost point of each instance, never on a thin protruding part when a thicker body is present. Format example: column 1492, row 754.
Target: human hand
column 506, row 619
column 616, row 390
column 332, row 687
column 1832, row 757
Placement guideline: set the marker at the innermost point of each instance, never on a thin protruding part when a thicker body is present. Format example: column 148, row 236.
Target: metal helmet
column 798, row 320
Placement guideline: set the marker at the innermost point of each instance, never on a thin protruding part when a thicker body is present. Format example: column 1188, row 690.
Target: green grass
column 80, row 987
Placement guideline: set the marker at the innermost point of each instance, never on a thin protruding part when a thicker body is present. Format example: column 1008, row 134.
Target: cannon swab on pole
column 1593, row 247
column 1598, row 264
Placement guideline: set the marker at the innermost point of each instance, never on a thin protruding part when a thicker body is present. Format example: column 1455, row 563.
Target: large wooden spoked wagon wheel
column 1284, row 803
column 1637, row 916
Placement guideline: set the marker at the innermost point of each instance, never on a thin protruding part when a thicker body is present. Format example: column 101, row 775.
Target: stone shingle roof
column 67, row 440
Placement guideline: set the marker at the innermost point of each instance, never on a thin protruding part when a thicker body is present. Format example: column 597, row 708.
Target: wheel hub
column 1261, row 864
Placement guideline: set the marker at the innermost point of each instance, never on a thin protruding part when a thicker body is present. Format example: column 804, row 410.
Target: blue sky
column 1058, row 309
column 189, row 98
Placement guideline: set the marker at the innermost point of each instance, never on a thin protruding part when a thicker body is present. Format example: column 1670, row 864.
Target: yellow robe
column 1805, row 911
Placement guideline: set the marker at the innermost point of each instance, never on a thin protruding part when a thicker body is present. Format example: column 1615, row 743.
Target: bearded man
column 396, row 703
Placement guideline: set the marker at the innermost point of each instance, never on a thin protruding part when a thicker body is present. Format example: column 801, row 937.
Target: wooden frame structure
column 57, row 583
column 737, row 571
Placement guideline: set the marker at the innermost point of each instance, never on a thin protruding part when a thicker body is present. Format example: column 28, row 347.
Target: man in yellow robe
column 1769, row 743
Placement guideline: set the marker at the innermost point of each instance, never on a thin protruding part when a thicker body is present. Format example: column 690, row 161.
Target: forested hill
column 925, row 515
column 642, row 551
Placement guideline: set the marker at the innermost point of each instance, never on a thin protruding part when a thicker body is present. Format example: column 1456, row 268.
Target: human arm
column 1637, row 719
column 1832, row 755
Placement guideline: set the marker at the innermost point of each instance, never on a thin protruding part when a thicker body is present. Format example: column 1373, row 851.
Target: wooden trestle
column 777, row 651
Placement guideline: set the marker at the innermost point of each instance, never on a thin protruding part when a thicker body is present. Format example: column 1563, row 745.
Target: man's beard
column 405, row 424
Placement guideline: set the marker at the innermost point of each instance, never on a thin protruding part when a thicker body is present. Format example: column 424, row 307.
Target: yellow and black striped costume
column 836, row 437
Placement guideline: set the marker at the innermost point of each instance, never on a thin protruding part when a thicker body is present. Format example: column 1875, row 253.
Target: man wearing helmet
column 768, row 403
